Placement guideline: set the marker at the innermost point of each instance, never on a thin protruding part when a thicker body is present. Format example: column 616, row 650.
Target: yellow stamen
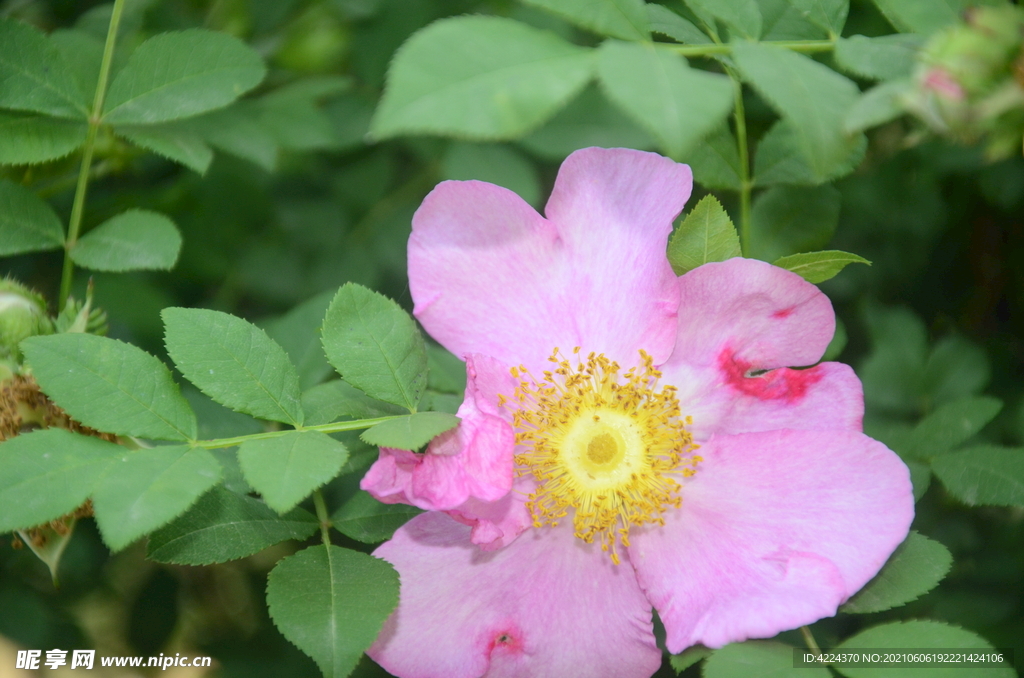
column 605, row 450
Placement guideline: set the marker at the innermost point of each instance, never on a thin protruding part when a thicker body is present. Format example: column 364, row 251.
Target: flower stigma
column 605, row 446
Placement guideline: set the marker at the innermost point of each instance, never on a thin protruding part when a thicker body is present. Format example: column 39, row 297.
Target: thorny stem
column 78, row 206
column 321, row 514
column 336, row 427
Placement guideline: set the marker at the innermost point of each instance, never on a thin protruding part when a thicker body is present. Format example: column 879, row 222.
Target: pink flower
column 667, row 457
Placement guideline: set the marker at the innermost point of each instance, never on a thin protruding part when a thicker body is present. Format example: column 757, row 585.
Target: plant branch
column 78, row 206
column 804, row 46
column 323, row 517
column 744, row 154
column 336, row 427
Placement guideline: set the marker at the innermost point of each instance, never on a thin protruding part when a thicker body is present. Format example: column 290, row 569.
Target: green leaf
column 34, row 76
column 27, row 224
column 495, row 164
column 675, row 103
column 588, row 120
column 365, row 519
column 782, row 21
column 877, row 106
column 715, row 161
column 146, row 489
column 375, row 346
column 923, row 635
column 447, row 372
column 48, row 473
column 238, row 130
column 479, row 77
column 790, row 219
column 335, row 399
column 83, row 53
column 892, row 372
column 950, row 425
column 234, row 362
column 706, row 234
column 287, row 469
column 666, row 22
column 331, row 603
column 915, row 568
column 812, row 97
column 887, row 57
column 744, row 16
column 625, row 19
column 110, row 386
column 172, row 142
column 986, row 475
column 955, row 368
column 132, row 241
column 818, row 267
column 298, row 333
column 779, row 159
column 180, row 74
column 764, row 659
column 828, row 14
column 225, row 526
column 688, row 657
column 410, row 432
column 921, row 16
column 33, row 139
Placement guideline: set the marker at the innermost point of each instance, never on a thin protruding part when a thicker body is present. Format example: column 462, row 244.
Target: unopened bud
column 22, row 315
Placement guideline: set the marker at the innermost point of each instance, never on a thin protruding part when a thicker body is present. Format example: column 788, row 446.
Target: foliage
column 209, row 162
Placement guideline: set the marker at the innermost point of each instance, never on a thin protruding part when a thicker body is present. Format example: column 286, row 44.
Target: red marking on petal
column 783, row 313
column 779, row 384
column 506, row 640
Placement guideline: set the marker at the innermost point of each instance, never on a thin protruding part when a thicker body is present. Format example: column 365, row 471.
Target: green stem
column 741, row 147
column 336, row 427
column 804, row 46
column 812, row 645
column 78, row 206
column 325, row 519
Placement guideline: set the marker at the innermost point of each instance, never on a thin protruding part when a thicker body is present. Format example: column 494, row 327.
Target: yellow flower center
column 604, row 446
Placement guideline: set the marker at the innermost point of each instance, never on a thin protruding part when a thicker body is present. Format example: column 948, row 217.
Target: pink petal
column 722, row 399
column 546, row 606
column 776, row 530
column 489, row 275
column 474, row 460
column 750, row 313
column 497, row 523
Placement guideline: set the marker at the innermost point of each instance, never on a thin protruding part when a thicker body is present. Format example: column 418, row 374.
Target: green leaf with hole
column 234, row 362
column 790, row 219
column 48, row 473
column 225, row 526
column 624, row 19
column 27, row 224
column 706, row 234
column 33, row 139
column 146, row 489
column 34, row 75
column 365, row 519
column 915, row 568
column 135, row 240
column 375, row 346
column 479, row 77
column 986, row 475
column 886, row 57
column 285, row 470
column 654, row 86
column 410, row 432
column 172, row 142
column 331, row 603
column 818, row 267
column 761, row 658
column 949, row 425
column 180, row 74
column 919, row 635
column 811, row 96
column 110, row 385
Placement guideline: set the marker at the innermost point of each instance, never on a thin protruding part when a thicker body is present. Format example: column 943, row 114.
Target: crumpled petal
column 473, row 460
column 489, row 275
column 750, row 315
column 497, row 523
column 546, row 606
column 776, row 530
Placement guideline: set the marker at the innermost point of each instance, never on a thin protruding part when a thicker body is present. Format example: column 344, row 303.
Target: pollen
column 607, row 449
